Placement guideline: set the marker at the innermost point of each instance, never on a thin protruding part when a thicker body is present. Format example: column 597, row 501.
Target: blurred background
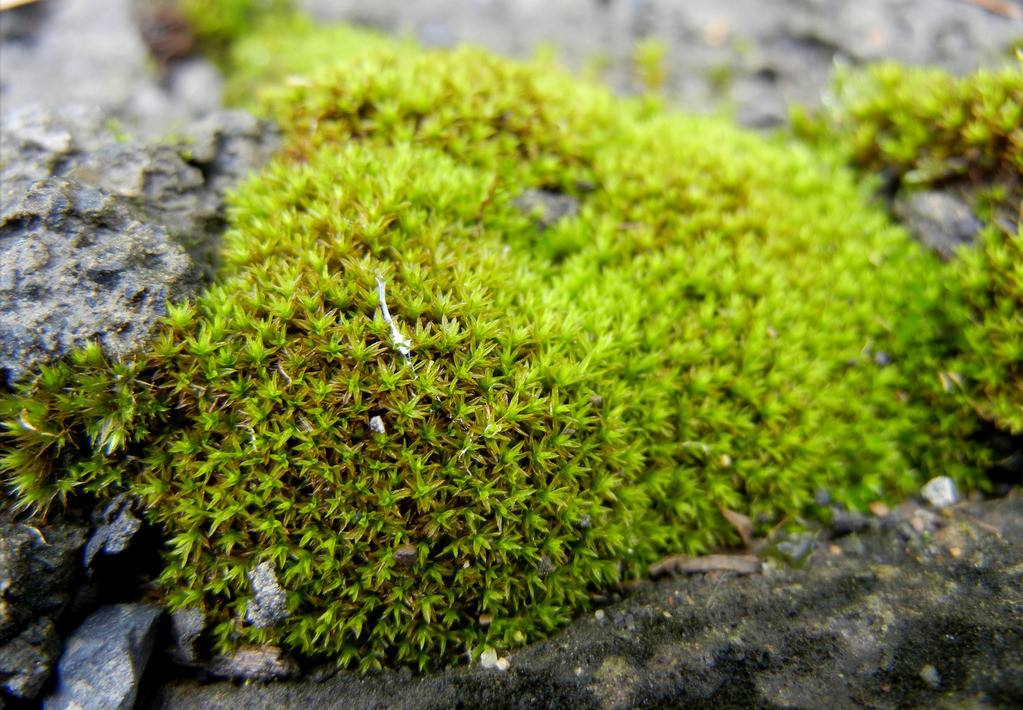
column 158, row 63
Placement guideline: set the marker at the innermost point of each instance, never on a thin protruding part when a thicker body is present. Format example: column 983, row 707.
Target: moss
column 724, row 324
column 927, row 129
column 218, row 25
column 990, row 371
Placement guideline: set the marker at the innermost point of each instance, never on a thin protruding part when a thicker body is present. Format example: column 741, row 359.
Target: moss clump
column 927, row 129
column 723, row 324
column 218, row 25
column 991, row 277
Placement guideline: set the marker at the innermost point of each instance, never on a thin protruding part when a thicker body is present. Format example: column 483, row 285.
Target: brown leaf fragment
column 684, row 564
column 742, row 524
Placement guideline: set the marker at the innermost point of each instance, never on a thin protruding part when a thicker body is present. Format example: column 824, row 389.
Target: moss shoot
column 724, row 323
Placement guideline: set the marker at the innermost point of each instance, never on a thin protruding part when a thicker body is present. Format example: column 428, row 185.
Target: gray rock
column 845, row 522
column 186, row 627
column 27, row 661
column 940, row 492
column 104, row 658
column 75, row 267
column 116, row 528
column 547, row 207
column 91, row 52
column 941, row 220
column 38, row 569
column 262, row 663
column 269, row 604
column 841, row 633
column 749, row 56
column 97, row 230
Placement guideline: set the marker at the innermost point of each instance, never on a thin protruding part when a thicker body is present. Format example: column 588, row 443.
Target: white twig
column 402, row 344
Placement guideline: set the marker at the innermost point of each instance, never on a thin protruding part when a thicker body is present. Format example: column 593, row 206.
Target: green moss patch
column 724, row 323
column 926, row 129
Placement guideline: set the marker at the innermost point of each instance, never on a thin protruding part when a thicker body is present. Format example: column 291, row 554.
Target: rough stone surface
column 97, row 231
column 261, row 663
column 269, row 604
column 940, row 492
column 91, row 52
column 857, row 627
column 941, row 220
column 27, row 661
column 750, row 55
column 104, row 658
column 38, row 569
column 186, row 627
column 76, row 267
column 116, row 527
column 547, row 207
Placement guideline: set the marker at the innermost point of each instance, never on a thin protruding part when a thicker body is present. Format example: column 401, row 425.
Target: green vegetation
column 217, row 25
column 991, row 277
column 724, row 324
column 928, row 129
column 926, row 126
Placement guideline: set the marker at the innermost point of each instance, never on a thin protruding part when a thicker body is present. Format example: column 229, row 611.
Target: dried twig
column 402, row 344
column 683, row 564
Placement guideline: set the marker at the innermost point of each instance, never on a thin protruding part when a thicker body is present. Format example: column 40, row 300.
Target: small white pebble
column 940, row 492
column 503, row 664
column 929, row 675
column 377, row 425
column 598, row 615
column 578, row 670
column 488, row 659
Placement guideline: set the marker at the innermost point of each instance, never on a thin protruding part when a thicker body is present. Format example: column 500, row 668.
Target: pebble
column 929, row 675
column 489, row 659
column 940, row 492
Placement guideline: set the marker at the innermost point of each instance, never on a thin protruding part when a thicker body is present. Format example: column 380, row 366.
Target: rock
column 941, row 220
column 116, row 528
column 749, row 57
column 269, row 605
column 845, row 522
column 490, row 661
column 104, row 659
column 227, row 145
column 940, row 492
column 838, row 631
column 546, row 207
column 27, row 661
column 929, row 675
column 38, row 569
column 91, row 52
column 795, row 548
column 97, row 231
column 262, row 663
column 376, row 425
column 186, row 627
column 406, row 555
column 76, row 267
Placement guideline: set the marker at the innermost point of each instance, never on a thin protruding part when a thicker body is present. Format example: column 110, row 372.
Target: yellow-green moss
column 218, row 25
column 724, row 323
column 926, row 129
